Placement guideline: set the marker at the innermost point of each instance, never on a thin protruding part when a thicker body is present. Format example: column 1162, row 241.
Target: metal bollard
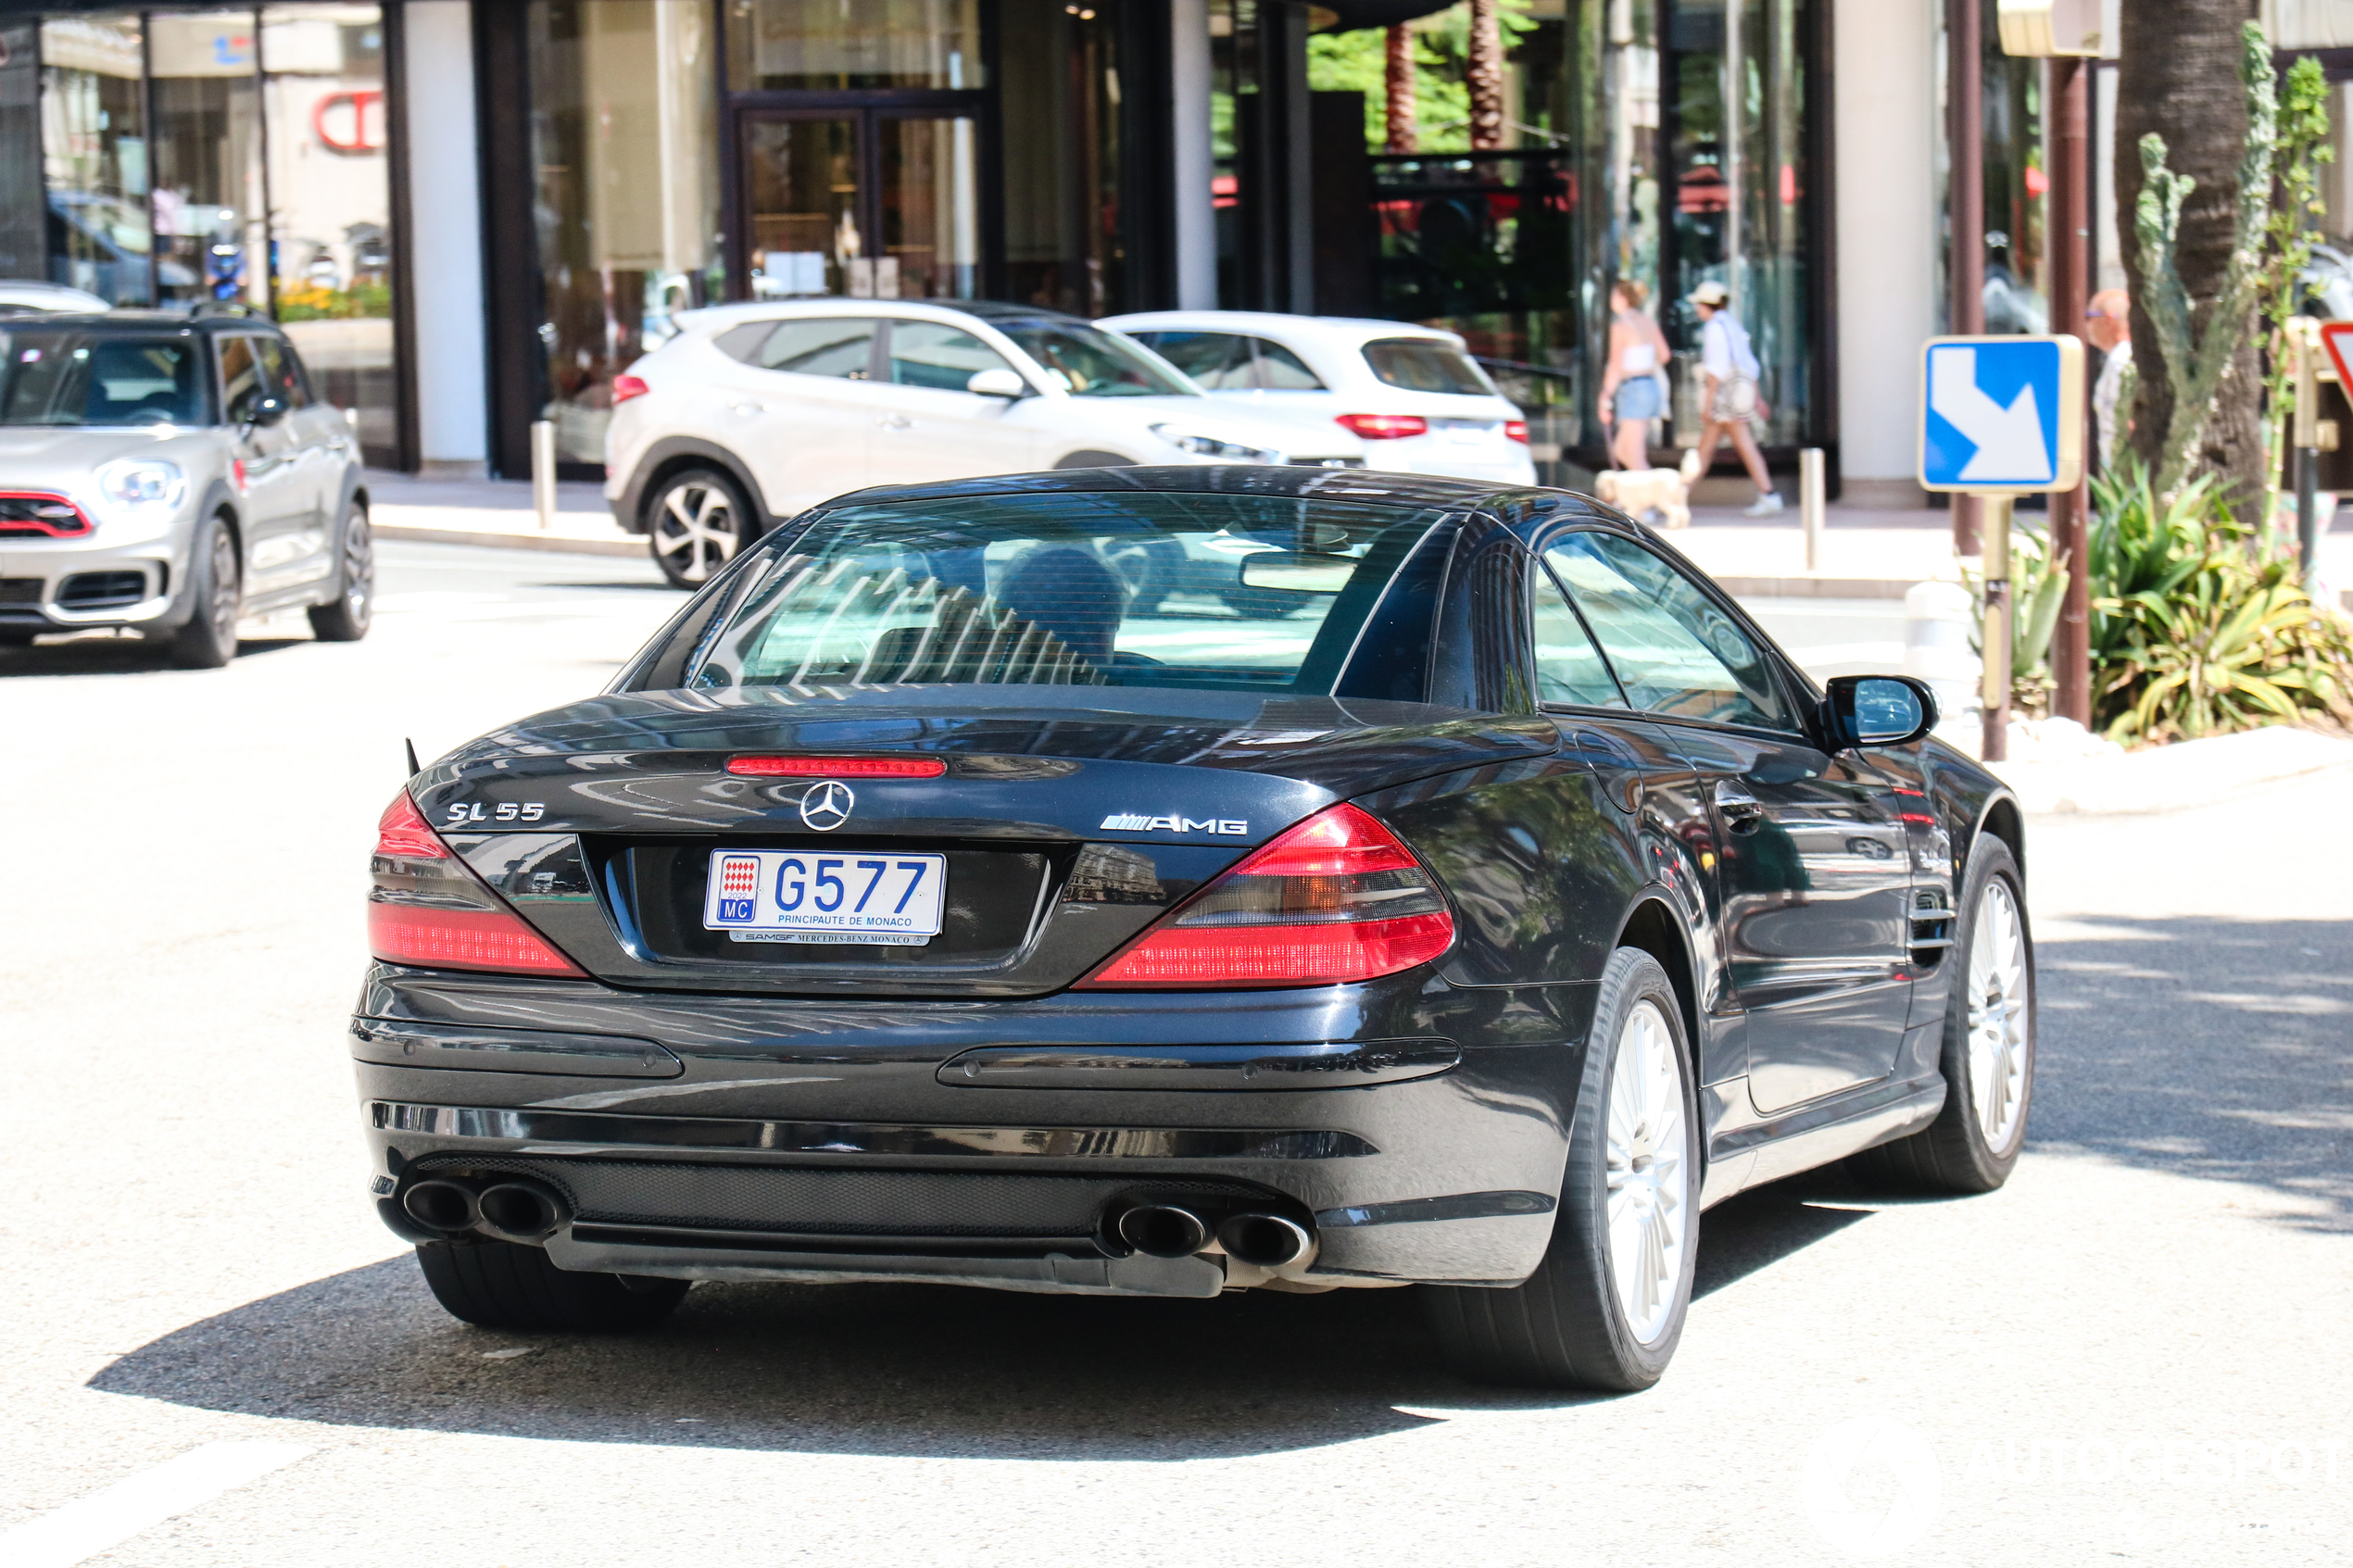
column 543, row 472
column 1813, row 502
column 1937, row 619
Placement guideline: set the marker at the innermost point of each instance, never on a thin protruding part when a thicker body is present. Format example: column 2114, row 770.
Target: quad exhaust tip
column 1263, row 1240
column 1268, row 1241
column 1161, row 1230
column 519, row 1211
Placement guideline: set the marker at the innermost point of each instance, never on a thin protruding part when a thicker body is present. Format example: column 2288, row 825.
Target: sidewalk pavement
column 495, row 512
column 2169, row 778
column 1867, row 553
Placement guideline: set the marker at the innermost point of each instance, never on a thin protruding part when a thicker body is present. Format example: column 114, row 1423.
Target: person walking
column 1630, row 398
column 1730, row 403
column 2109, row 317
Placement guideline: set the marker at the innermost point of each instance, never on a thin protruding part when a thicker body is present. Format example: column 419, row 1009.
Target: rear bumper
column 731, row 1139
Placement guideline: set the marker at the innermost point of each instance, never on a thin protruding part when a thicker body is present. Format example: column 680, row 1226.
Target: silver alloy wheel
column 227, row 589
column 358, row 568
column 1999, row 1015
column 696, row 530
column 1649, row 1180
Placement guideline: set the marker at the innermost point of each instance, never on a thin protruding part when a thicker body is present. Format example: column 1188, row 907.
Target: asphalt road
column 2137, row 1352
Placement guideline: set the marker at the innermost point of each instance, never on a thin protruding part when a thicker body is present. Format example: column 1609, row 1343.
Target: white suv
column 1421, row 404
column 754, row 412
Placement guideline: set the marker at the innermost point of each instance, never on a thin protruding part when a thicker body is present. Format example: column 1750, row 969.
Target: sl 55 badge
column 508, row 811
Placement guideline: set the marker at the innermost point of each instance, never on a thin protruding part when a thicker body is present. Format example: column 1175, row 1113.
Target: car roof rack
column 205, row 308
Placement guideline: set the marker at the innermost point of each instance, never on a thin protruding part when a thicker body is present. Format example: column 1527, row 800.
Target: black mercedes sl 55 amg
column 968, row 887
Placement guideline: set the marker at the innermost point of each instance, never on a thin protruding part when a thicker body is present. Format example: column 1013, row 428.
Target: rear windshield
column 1421, row 364
column 63, row 376
column 1227, row 592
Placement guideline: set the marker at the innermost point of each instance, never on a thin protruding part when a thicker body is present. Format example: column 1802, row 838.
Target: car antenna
column 414, row 767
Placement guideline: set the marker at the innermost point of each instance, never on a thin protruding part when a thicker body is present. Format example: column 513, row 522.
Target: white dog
column 1647, row 492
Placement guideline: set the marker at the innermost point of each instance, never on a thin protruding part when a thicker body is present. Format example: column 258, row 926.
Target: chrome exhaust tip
column 1161, row 1229
column 524, row 1211
column 1265, row 1241
column 444, row 1206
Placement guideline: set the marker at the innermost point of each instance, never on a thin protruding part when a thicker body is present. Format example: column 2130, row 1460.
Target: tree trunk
column 1484, row 76
column 1404, row 127
column 2178, row 75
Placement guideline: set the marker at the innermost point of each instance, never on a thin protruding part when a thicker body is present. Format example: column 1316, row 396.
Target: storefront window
column 211, row 241
column 624, row 138
column 1735, row 88
column 331, row 207
column 834, row 45
column 93, row 144
column 1060, row 102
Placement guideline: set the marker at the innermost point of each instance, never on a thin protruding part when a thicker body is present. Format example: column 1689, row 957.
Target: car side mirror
column 1880, row 710
column 266, row 411
column 1001, row 381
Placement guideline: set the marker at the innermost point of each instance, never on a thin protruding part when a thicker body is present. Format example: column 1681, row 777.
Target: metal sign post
column 2001, row 417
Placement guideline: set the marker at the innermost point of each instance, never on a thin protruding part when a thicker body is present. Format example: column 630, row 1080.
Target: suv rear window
column 1228, row 593
column 1422, row 364
column 69, row 376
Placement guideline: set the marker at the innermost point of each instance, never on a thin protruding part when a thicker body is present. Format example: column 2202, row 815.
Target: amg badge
column 1136, row 821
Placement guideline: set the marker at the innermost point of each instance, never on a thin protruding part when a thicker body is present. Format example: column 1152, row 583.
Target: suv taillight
column 428, row 909
column 627, row 387
column 1335, row 899
column 1383, row 427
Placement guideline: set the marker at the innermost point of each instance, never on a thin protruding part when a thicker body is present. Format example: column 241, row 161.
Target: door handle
column 894, row 421
column 1742, row 809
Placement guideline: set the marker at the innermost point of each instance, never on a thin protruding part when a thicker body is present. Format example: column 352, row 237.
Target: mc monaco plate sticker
column 796, row 896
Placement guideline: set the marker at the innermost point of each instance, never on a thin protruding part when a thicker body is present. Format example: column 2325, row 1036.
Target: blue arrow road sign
column 2002, row 414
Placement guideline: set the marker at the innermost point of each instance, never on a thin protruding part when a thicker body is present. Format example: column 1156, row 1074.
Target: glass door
column 869, row 204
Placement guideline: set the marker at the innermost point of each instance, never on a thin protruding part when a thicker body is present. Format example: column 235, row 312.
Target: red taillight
column 1335, row 900
column 428, row 908
column 837, row 767
column 1384, row 427
column 490, row 939
column 627, row 387
column 402, row 833
column 1516, row 430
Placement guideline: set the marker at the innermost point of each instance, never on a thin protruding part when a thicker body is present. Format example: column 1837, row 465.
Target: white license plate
column 1467, row 433
column 801, row 895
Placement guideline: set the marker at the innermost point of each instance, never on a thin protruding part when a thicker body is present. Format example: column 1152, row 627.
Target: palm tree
column 1405, row 133
column 1484, row 76
column 2178, row 75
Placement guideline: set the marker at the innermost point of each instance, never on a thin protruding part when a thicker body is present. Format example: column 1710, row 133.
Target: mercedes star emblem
column 826, row 805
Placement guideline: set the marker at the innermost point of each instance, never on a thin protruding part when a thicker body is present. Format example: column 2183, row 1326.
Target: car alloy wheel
column 1998, row 1016
column 697, row 527
column 210, row 638
column 1649, row 1182
column 346, row 618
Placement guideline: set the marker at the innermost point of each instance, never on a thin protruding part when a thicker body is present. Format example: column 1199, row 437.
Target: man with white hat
column 1731, row 404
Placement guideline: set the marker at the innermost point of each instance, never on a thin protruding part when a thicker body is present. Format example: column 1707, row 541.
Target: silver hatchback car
column 166, row 475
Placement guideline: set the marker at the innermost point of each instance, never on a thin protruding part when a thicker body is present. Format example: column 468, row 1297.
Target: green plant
column 2194, row 631
column 2038, row 590
column 2302, row 146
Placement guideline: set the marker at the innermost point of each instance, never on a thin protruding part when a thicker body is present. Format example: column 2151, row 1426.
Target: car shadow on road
column 2207, row 1047
column 895, row 1370
column 116, row 656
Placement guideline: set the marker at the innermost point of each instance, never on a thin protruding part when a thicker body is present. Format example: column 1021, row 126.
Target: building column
column 443, row 206
column 1194, row 164
column 1883, row 118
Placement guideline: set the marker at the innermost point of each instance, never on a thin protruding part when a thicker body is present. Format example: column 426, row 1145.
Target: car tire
column 216, row 594
column 504, row 1285
column 1572, row 1324
column 696, row 521
column 347, row 618
column 1987, row 1051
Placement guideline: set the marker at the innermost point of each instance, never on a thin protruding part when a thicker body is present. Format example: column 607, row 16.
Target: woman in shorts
column 1638, row 352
